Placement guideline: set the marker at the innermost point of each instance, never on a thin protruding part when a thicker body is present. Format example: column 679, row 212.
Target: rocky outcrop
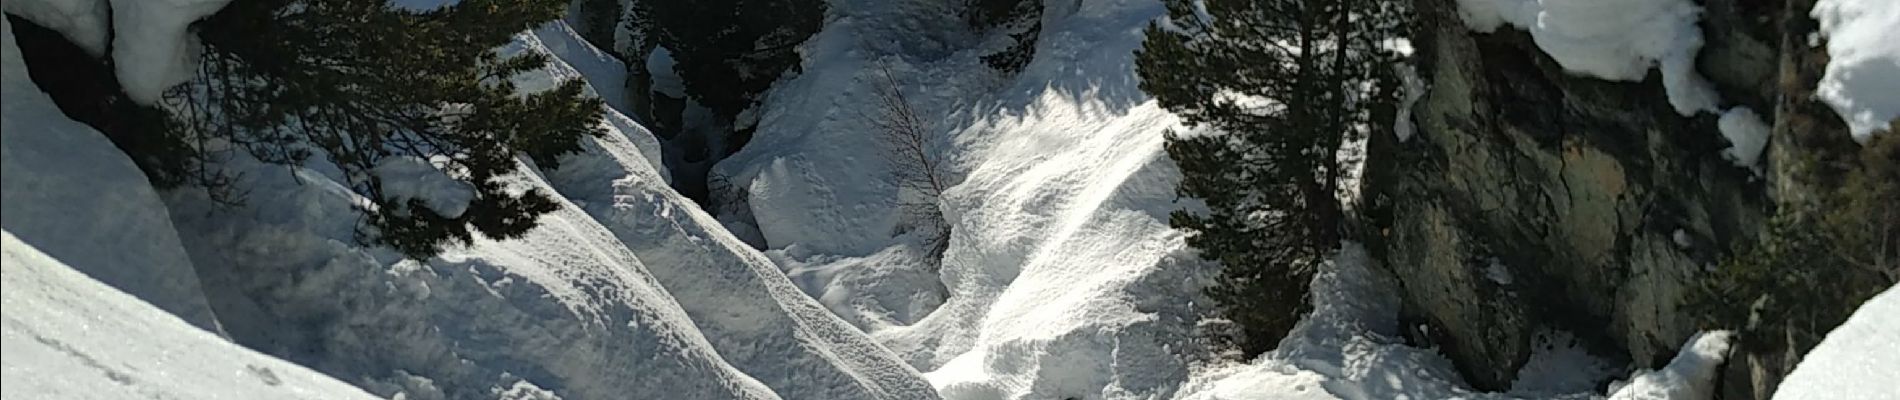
column 1531, row 199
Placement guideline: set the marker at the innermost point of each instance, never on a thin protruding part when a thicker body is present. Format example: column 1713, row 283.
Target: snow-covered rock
column 1862, row 81
column 67, row 190
column 84, row 22
column 67, row 336
column 152, row 46
column 406, row 178
column 151, row 43
column 1617, row 40
column 1691, row 375
column 1746, row 132
column 1858, row 360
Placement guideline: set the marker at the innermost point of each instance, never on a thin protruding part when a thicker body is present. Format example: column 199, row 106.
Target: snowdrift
column 1858, row 360
column 68, row 336
column 67, row 191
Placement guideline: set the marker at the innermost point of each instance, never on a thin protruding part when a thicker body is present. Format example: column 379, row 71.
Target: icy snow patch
column 1746, row 132
column 1862, row 81
column 1858, row 360
column 68, row 336
column 405, row 178
column 67, row 190
column 152, row 47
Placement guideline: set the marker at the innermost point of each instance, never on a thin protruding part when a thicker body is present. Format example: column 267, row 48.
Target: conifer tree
column 729, row 51
column 361, row 82
column 1278, row 85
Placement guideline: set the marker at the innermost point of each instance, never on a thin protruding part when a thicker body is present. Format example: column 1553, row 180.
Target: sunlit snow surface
column 67, row 336
column 1062, row 277
column 1862, row 81
column 1858, row 360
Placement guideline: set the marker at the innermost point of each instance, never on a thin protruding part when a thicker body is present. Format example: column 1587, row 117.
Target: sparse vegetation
column 1278, row 86
column 359, row 82
column 904, row 139
column 1817, row 262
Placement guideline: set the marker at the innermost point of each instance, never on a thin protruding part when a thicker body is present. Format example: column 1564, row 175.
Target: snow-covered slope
column 67, row 336
column 738, row 298
column 1062, row 277
column 584, row 306
column 66, row 190
column 1858, row 360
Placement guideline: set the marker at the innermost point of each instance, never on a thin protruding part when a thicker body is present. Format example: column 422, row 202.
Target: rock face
column 1531, row 199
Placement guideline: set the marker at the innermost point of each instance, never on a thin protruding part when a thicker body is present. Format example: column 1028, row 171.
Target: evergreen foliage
column 1817, row 262
column 361, row 82
column 1279, row 85
column 729, row 51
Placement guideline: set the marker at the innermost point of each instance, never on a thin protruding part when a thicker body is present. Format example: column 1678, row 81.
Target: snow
column 1747, row 134
column 82, row 21
column 1560, row 365
column 111, row 224
column 152, row 47
column 626, row 291
column 660, row 67
column 1498, row 273
column 1063, row 279
column 1857, row 360
column 405, row 178
column 1621, row 40
column 1617, row 40
column 67, row 336
column 1862, row 81
column 1691, row 375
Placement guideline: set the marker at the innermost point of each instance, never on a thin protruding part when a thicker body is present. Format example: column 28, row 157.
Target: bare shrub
column 916, row 168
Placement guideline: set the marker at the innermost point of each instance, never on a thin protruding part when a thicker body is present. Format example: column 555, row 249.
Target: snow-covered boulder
column 68, row 336
column 65, row 189
column 1862, row 81
column 1858, row 360
column 153, row 48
